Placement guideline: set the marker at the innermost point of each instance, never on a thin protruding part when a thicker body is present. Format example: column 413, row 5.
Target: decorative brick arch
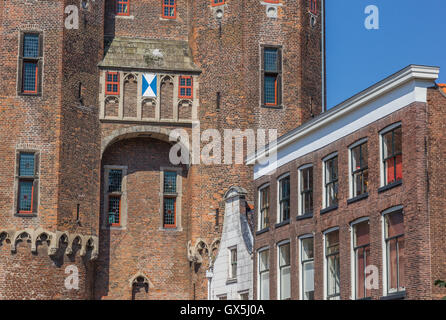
column 133, row 132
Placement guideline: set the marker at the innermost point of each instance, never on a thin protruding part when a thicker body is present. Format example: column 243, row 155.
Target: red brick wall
column 412, row 194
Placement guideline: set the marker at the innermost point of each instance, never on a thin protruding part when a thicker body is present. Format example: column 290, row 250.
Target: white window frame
column 384, row 247
column 324, row 162
column 325, row 258
column 259, row 201
column 299, row 187
column 259, row 251
column 350, row 168
column 178, row 201
column 123, row 214
column 279, row 213
column 280, row 244
column 230, row 249
column 352, row 254
column 301, row 270
column 381, row 151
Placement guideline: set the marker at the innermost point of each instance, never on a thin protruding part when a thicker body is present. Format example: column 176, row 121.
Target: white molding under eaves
column 387, row 96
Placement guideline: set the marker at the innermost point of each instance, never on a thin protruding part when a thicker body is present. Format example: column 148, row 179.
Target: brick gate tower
column 85, row 125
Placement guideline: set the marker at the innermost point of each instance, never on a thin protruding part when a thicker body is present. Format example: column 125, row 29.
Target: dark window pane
column 114, row 180
column 26, row 164
column 25, row 196
column 169, row 211
column 29, row 77
column 270, row 89
column 170, row 182
column 31, row 45
column 270, row 59
column 114, row 208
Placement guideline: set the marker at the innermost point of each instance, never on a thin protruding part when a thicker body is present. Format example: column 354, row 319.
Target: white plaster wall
column 232, row 236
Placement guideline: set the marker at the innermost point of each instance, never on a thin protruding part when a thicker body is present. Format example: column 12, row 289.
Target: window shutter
column 279, row 76
column 20, row 66
column 36, row 182
column 39, row 77
column 262, row 76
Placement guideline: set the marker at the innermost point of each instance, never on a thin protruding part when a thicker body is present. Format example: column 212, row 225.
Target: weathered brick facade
column 79, row 131
column 420, row 194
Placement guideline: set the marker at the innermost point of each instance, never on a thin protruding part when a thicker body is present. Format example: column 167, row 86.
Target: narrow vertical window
column 361, row 251
column 122, row 7
column 392, row 156
column 271, row 76
column 27, row 183
column 331, row 182
column 332, row 265
column 313, row 6
column 112, row 83
column 284, row 199
column 306, row 191
column 284, row 272
column 217, row 2
column 233, row 264
column 169, row 199
column 263, row 284
column 394, row 239
column 114, row 197
column 30, row 63
column 307, row 268
column 263, row 208
column 185, row 89
column 359, row 167
column 169, row 9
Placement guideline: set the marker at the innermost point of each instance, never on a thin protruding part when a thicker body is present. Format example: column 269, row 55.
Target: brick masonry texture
column 69, row 135
column 421, row 195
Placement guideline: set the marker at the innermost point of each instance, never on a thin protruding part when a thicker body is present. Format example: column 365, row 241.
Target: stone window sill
column 390, row 186
column 329, row 209
column 358, row 198
column 305, row 216
column 283, row 223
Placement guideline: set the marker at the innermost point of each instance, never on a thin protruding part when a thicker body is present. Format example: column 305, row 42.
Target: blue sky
column 410, row 32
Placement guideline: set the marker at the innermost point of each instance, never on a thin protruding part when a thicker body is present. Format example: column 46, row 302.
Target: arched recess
column 138, row 131
column 130, row 95
column 166, row 98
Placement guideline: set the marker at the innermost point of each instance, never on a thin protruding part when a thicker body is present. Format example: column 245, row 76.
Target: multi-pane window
column 217, row 2
column 271, row 76
column 361, row 251
column 114, row 196
column 263, row 208
column 306, row 191
column 392, row 156
column 332, row 265
column 284, row 199
column 122, row 7
column 30, row 63
column 284, row 272
column 244, row 296
column 264, row 275
column 307, row 268
column 169, row 9
column 313, row 6
column 185, row 89
column 27, row 183
column 112, row 83
column 394, row 239
column 169, row 199
column 331, row 182
column 233, row 263
column 360, row 172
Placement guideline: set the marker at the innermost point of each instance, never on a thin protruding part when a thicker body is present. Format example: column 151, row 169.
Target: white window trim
column 278, row 215
column 230, row 263
column 299, row 186
column 123, row 216
column 240, row 293
column 381, row 151
column 350, row 169
column 259, row 251
column 352, row 255
column 324, row 162
column 259, row 201
column 325, row 258
column 383, row 244
column 279, row 244
column 299, row 255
